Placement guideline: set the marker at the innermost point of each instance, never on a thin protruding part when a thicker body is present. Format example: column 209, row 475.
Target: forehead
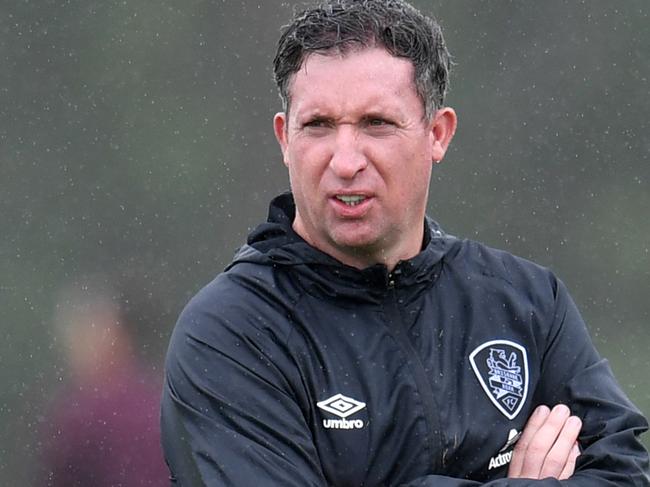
column 354, row 78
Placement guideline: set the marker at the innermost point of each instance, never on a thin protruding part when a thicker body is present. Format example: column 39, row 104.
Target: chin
column 357, row 245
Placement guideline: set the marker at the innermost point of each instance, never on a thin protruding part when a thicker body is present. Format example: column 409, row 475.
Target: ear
column 442, row 131
column 280, row 130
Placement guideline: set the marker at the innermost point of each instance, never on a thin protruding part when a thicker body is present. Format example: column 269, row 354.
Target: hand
column 548, row 447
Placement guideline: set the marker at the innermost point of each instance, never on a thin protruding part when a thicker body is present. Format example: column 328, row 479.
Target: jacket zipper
column 398, row 327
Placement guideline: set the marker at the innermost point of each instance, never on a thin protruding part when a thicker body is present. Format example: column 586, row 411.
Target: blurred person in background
column 103, row 426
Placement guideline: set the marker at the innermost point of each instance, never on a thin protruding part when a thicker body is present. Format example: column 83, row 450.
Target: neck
column 367, row 256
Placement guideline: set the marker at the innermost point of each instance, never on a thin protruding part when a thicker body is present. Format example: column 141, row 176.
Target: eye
column 316, row 123
column 377, row 122
column 379, row 126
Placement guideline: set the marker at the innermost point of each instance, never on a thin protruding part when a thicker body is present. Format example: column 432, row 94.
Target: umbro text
column 342, row 424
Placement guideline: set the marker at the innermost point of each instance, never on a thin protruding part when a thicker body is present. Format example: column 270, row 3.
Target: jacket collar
column 276, row 243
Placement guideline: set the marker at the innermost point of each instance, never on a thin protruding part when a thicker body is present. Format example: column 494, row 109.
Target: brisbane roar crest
column 501, row 367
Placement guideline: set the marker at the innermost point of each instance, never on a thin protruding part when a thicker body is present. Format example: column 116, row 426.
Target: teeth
column 351, row 200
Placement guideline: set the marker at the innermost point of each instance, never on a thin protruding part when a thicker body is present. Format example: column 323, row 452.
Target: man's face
column 359, row 153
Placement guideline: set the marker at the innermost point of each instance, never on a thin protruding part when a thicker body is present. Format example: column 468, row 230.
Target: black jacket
column 291, row 369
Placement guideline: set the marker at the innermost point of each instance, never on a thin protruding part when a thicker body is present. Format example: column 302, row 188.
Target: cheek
column 403, row 166
column 306, row 163
column 410, row 179
column 302, row 177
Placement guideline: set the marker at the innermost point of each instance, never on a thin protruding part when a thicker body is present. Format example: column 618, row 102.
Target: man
column 351, row 342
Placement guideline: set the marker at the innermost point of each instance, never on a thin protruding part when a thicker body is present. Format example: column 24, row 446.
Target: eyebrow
column 374, row 112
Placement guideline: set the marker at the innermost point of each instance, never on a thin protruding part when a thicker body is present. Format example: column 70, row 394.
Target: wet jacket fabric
column 292, row 369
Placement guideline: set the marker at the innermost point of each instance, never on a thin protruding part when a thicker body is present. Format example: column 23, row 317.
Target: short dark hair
column 345, row 25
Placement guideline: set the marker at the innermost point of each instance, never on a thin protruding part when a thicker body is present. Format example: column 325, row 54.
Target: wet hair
column 342, row 26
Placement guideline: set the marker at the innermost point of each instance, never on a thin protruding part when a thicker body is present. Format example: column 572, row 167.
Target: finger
column 570, row 466
column 543, row 441
column 560, row 452
column 562, row 456
column 535, row 422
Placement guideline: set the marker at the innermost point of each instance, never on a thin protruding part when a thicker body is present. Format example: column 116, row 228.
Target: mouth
column 351, row 200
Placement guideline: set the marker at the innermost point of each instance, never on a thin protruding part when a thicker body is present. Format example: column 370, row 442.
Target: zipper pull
column 392, row 277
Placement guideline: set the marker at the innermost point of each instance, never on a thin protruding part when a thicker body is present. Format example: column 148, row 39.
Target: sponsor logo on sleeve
column 505, row 453
column 501, row 367
column 343, row 407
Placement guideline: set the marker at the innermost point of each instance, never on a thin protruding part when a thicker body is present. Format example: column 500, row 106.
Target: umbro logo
column 341, row 406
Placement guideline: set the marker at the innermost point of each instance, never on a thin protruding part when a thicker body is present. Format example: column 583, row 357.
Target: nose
column 348, row 158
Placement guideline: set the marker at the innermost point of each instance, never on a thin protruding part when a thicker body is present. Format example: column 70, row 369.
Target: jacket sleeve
column 574, row 374
column 229, row 416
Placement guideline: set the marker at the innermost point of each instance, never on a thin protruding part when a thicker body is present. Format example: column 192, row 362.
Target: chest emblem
column 342, row 406
column 501, row 367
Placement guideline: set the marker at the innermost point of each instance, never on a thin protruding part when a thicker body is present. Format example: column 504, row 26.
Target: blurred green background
column 136, row 142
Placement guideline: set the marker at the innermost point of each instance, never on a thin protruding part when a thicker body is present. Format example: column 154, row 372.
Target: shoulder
column 482, row 265
column 235, row 331
column 475, row 256
column 247, row 300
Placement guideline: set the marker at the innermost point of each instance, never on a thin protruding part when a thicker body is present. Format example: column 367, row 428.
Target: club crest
column 501, row 367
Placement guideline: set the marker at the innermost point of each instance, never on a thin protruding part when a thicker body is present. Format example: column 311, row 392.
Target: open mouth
column 351, row 200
